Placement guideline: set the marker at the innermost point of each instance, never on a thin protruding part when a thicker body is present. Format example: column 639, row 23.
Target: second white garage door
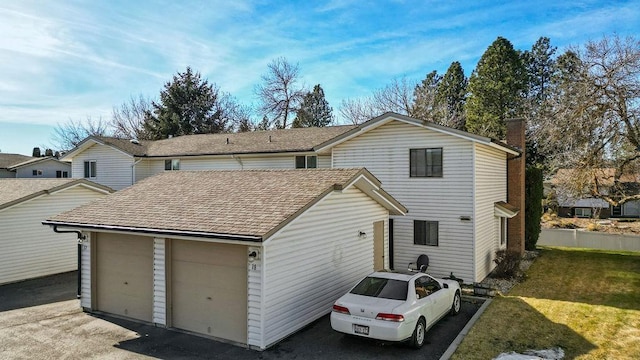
column 209, row 289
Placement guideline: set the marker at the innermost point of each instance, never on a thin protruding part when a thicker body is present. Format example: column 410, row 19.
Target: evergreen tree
column 451, row 96
column 188, row 105
column 424, row 98
column 497, row 87
column 314, row 110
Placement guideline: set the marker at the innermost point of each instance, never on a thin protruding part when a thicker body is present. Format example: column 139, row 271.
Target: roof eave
column 153, row 231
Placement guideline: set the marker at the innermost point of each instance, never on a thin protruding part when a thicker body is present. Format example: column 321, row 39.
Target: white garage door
column 124, row 275
column 209, row 289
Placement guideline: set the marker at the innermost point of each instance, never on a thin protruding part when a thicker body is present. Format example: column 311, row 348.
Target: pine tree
column 451, row 96
column 496, row 88
column 314, row 110
column 188, row 105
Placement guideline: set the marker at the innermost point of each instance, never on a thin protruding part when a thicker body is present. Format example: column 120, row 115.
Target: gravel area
column 504, row 285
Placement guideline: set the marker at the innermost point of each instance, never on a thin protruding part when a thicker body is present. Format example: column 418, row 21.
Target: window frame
column 582, row 212
column 431, row 170
column 36, row 172
column 428, row 224
column 306, row 161
column 172, row 165
column 61, row 174
column 90, row 169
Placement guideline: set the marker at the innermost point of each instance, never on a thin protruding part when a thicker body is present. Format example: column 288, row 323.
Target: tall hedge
column 533, row 210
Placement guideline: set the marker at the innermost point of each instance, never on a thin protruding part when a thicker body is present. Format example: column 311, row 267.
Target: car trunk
column 368, row 306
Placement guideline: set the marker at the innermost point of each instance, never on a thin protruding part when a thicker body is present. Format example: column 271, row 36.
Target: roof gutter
column 162, row 232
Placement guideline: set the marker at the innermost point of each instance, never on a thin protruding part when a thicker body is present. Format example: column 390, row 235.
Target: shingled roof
column 239, row 204
column 7, row 160
column 14, row 191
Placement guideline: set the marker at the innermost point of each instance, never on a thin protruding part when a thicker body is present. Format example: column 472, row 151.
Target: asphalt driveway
column 40, row 319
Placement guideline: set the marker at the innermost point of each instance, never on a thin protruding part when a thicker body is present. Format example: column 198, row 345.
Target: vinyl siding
column 384, row 151
column 113, row 167
column 48, row 168
column 159, row 282
column 147, row 167
column 6, row 174
column 490, row 187
column 29, row 249
column 255, row 299
column 85, row 272
column 314, row 260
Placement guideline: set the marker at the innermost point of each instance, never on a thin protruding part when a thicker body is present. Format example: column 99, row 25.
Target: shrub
column 593, row 227
column 508, row 264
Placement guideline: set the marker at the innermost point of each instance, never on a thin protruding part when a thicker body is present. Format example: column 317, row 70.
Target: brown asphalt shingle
column 7, row 160
column 241, row 202
column 285, row 140
column 15, row 189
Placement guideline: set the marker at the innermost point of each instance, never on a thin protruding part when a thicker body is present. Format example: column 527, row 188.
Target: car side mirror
column 446, row 286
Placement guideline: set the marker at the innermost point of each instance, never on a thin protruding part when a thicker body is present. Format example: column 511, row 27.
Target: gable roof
column 33, row 161
column 390, row 116
column 254, row 142
column 238, row 204
column 7, row 160
column 15, row 191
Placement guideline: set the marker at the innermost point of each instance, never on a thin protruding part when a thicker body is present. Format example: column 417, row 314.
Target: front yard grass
column 585, row 301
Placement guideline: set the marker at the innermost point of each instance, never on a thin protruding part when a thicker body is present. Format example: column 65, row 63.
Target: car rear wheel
column 417, row 340
column 457, row 304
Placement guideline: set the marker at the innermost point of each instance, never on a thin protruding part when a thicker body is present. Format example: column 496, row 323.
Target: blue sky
column 62, row 60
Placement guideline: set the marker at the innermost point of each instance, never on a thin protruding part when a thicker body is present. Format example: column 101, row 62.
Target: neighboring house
column 7, row 160
column 42, row 167
column 454, row 183
column 247, row 256
column 588, row 207
column 28, row 249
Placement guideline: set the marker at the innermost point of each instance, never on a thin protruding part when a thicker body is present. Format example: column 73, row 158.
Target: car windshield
column 382, row 288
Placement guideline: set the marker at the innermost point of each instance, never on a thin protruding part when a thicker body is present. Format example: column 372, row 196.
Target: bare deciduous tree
column 128, row 119
column 395, row 97
column 67, row 135
column 595, row 130
column 280, row 94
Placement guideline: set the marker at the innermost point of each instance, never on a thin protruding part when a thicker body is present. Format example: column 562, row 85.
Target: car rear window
column 382, row 288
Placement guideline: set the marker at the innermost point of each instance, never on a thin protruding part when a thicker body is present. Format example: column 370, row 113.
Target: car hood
column 368, row 306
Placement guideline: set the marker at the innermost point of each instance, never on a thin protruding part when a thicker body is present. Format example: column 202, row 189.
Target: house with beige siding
column 7, row 160
column 452, row 182
column 42, row 167
column 242, row 256
column 28, row 249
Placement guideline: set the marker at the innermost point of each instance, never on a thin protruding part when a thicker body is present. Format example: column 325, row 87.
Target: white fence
column 588, row 239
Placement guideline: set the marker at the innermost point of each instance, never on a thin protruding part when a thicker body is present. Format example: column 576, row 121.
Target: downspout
column 133, row 171
column 81, row 237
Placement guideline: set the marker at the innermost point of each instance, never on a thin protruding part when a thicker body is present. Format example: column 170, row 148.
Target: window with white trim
column 90, row 167
column 62, row 174
column 36, row 172
column 306, row 162
column 425, row 232
column 425, row 162
column 172, row 164
column 582, row 212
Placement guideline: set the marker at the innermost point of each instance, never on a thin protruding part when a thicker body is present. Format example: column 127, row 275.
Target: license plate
column 360, row 329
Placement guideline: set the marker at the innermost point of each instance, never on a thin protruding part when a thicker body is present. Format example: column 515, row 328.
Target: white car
column 395, row 306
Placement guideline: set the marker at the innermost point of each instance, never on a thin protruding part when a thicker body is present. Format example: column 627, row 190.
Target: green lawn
column 584, row 301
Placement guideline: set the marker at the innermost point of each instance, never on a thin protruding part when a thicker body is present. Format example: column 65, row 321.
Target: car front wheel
column 417, row 340
column 457, row 303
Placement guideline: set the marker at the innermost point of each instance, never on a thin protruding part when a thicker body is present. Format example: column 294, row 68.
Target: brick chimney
column 515, row 184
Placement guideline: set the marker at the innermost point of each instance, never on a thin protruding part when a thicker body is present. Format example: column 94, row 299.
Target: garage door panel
column 124, row 275
column 209, row 293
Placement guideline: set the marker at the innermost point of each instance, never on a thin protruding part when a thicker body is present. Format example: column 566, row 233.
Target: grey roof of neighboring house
column 237, row 204
column 32, row 161
column 7, row 160
column 15, row 191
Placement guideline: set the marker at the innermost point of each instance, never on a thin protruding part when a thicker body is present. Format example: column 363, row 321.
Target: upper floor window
column 62, row 174
column 306, row 162
column 173, row 164
column 426, row 162
column 90, row 169
column 36, row 172
column 425, row 232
